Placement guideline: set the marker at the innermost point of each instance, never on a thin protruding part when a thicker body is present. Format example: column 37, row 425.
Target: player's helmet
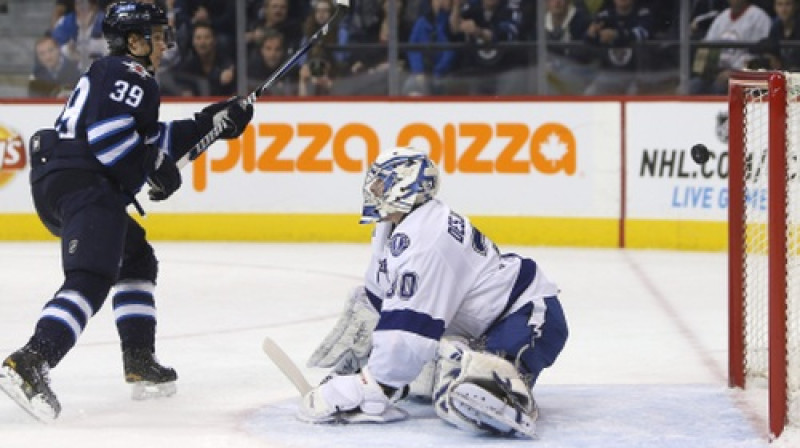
column 125, row 17
column 397, row 181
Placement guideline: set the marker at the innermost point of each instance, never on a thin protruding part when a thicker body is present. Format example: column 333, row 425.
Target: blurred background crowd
column 418, row 47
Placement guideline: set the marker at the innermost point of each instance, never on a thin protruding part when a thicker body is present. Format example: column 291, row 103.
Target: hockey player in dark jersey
column 106, row 146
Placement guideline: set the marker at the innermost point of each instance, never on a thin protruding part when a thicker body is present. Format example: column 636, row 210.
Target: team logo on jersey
column 12, row 154
column 399, row 243
column 137, row 68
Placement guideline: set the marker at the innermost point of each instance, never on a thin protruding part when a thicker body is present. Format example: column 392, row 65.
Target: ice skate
column 149, row 378
column 24, row 377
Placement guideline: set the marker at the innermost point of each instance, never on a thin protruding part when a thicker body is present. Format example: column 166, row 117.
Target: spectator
column 221, row 14
column 372, row 59
column 64, row 7
column 364, row 21
column 316, row 75
column 319, row 69
column 429, row 69
column 741, row 22
column 704, row 12
column 773, row 55
column 614, row 33
column 263, row 63
column 413, row 10
column 368, row 68
column 337, row 35
column 206, row 71
column 367, row 20
column 591, row 6
column 80, row 33
column 569, row 67
column 276, row 16
column 53, row 74
column 481, row 23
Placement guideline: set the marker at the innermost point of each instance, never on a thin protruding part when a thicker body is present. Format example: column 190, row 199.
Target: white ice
column 645, row 365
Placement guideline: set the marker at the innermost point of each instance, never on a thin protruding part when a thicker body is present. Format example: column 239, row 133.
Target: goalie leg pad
column 347, row 347
column 482, row 392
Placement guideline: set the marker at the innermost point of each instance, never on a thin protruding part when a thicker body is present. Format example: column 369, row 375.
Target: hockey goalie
column 443, row 315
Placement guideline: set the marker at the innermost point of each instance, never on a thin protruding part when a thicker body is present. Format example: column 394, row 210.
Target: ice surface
column 644, row 366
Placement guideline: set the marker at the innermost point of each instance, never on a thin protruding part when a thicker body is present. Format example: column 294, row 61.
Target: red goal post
column 763, row 220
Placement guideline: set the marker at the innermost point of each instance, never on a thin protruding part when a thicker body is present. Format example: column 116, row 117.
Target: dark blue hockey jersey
column 110, row 124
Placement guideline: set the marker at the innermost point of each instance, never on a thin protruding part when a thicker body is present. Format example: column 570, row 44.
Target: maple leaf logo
column 553, row 149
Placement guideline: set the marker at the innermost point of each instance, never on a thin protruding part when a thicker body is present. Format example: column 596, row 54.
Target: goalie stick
column 285, row 364
column 293, row 373
column 200, row 147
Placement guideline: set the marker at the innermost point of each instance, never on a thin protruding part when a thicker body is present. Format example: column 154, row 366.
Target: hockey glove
column 165, row 179
column 234, row 114
column 351, row 398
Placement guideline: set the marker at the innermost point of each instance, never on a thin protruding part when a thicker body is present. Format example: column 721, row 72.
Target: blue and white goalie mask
column 397, row 181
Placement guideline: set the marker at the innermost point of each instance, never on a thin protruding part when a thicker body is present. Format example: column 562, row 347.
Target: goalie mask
column 398, row 181
column 126, row 17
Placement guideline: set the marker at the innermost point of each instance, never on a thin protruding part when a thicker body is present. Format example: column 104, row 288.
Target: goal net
column 764, row 246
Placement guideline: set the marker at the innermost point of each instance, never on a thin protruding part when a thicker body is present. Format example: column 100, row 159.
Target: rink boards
column 595, row 173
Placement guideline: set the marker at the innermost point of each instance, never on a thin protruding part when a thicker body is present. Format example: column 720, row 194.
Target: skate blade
column 37, row 407
column 485, row 409
column 145, row 390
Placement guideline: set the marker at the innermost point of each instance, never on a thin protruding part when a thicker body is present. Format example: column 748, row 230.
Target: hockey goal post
column 764, row 246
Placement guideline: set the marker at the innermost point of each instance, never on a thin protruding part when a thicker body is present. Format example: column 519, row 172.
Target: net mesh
column 756, row 251
column 793, row 249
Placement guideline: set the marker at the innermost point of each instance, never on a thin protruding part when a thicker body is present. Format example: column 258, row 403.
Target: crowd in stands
column 448, row 47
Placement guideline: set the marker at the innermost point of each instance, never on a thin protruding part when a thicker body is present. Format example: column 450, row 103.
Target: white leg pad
column 482, row 392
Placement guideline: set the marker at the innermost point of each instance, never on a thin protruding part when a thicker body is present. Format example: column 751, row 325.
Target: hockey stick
column 293, row 373
column 200, row 147
column 286, row 365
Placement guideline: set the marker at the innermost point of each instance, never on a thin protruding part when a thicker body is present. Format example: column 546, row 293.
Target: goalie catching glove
column 350, row 398
column 233, row 113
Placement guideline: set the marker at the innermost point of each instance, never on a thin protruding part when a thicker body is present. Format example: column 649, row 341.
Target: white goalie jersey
column 435, row 275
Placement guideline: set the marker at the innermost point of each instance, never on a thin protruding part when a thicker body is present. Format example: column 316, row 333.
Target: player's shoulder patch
column 136, row 68
column 398, row 243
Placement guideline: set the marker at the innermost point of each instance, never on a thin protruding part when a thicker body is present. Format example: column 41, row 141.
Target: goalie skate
column 24, row 378
column 492, row 413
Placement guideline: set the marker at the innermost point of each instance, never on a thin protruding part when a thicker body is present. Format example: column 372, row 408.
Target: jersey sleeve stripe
column 413, row 322
column 107, row 128
column 109, row 156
